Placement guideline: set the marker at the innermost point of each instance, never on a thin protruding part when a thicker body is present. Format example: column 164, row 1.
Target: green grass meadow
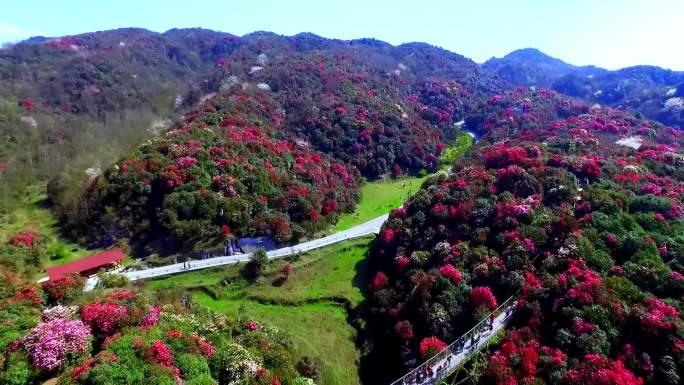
column 311, row 305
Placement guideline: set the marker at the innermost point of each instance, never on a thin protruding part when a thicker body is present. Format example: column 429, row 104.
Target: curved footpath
column 429, row 372
column 370, row 227
column 367, row 228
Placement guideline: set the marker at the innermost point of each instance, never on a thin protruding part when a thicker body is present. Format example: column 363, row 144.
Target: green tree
column 258, row 261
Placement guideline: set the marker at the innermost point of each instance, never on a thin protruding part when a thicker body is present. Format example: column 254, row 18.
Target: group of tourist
column 426, row 375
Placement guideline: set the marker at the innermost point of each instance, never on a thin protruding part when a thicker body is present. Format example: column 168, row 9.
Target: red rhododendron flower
column 80, row 371
column 207, row 348
column 26, row 103
column 314, row 215
column 161, row 354
column 451, row 273
column 103, row 317
column 378, row 281
column 431, row 346
column 287, row 269
column 657, row 315
column 24, row 238
column 402, row 263
column 599, row 370
column 483, row 296
column 388, row 235
column 404, row 329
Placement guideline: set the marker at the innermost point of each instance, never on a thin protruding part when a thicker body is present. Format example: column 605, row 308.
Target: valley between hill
column 572, row 210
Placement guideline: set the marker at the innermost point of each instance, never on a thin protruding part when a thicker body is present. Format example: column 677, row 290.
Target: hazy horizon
column 611, row 34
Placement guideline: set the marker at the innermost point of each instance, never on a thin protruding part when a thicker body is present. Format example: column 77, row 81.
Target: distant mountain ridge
column 531, row 67
column 101, row 72
column 655, row 92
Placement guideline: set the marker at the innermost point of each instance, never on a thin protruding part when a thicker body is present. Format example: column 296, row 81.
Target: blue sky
column 608, row 33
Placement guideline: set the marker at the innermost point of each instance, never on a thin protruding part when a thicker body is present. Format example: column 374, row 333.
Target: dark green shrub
column 309, row 367
column 624, row 289
column 599, row 260
column 192, row 365
column 649, row 202
column 258, row 261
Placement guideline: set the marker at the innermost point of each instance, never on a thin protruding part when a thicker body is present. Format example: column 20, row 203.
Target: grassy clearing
column 379, row 197
column 318, row 330
column 456, row 150
column 29, row 211
column 310, row 305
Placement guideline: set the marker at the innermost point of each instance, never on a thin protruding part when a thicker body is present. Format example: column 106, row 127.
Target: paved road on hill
column 367, row 228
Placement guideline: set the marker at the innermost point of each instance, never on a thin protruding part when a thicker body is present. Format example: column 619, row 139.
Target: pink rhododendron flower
column 50, row 343
column 103, row 317
column 151, row 318
column 404, row 329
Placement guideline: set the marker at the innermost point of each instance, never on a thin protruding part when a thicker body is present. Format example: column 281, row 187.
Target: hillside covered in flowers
column 280, row 148
column 576, row 210
column 227, row 169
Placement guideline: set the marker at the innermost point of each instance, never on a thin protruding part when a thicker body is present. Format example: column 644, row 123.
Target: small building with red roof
column 88, row 265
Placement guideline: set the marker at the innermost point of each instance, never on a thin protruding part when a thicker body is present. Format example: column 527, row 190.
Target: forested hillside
column 381, row 110
column 651, row 91
column 167, row 145
column 577, row 211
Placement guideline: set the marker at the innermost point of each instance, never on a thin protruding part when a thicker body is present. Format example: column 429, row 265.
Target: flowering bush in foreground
column 59, row 312
column 136, row 343
column 51, row 343
column 24, row 238
column 104, row 317
column 517, row 359
column 598, row 370
column 63, row 288
column 431, row 346
column 151, row 318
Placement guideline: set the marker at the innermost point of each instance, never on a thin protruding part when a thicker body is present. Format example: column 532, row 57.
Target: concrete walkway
column 367, row 228
column 455, row 355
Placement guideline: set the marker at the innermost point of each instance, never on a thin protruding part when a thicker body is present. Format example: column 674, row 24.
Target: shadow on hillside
column 43, row 203
column 376, row 365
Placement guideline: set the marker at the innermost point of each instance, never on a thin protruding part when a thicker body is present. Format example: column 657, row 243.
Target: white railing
column 371, row 227
column 453, row 356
